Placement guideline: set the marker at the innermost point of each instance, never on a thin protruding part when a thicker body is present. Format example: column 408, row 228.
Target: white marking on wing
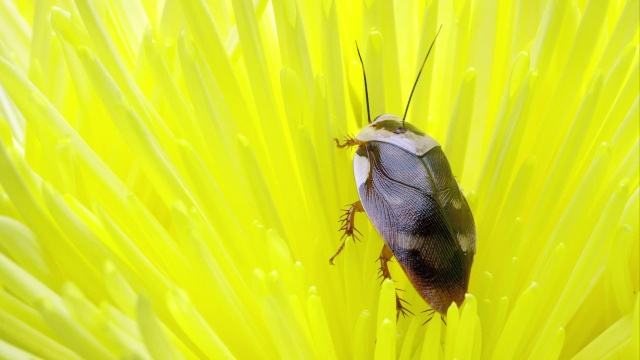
column 361, row 169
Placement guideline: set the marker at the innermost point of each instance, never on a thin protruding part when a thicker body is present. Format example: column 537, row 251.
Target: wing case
column 417, row 207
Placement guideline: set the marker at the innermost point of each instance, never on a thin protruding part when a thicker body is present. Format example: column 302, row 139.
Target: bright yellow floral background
column 169, row 187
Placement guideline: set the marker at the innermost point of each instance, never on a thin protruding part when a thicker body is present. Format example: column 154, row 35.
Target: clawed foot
column 400, row 309
column 349, row 141
column 383, row 272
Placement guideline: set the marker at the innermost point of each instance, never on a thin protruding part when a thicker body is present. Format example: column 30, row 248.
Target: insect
column 409, row 193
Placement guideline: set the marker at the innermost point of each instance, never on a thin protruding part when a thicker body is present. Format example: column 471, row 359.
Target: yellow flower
column 170, row 189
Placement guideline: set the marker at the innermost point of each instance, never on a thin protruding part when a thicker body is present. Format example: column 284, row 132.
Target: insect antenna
column 366, row 90
column 417, row 77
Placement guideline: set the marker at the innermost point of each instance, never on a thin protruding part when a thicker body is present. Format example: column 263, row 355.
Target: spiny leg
column 348, row 225
column 385, row 257
column 430, row 314
column 349, row 141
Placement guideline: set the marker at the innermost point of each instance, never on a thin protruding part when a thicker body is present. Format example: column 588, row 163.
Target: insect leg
column 348, row 142
column 385, row 257
column 430, row 313
column 348, row 226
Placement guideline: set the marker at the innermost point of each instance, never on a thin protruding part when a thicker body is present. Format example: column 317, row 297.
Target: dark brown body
column 417, row 207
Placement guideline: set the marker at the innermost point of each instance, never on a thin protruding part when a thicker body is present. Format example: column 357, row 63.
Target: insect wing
column 454, row 207
column 418, row 209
